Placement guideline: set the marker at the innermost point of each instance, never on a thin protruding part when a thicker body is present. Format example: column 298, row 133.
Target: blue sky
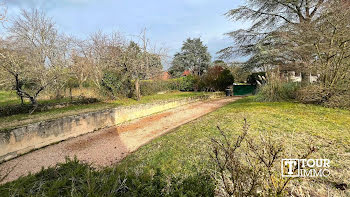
column 169, row 22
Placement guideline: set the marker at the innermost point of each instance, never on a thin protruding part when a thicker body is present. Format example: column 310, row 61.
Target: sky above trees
column 169, row 22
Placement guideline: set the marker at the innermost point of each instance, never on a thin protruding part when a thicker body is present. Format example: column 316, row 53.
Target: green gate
column 240, row 90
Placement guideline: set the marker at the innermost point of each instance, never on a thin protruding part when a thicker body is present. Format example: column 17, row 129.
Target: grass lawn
column 8, row 98
column 185, row 153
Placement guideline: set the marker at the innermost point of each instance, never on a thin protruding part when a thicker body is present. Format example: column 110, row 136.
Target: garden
column 293, row 108
column 180, row 162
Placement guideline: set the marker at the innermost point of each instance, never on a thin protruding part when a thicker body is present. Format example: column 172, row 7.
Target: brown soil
column 108, row 146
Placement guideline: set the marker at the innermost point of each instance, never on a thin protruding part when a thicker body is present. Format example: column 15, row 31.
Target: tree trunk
column 137, row 89
column 22, row 102
column 70, row 94
column 58, row 94
column 305, row 79
column 34, row 104
column 18, row 88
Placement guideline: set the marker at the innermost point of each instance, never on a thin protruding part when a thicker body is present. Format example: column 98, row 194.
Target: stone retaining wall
column 23, row 139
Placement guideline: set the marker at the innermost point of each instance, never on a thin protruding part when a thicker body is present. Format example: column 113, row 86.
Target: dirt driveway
column 108, row 146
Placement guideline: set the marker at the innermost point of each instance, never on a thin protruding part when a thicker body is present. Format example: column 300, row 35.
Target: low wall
column 23, row 139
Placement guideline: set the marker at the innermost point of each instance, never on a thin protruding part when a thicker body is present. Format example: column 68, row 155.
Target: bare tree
column 35, row 54
column 3, row 11
column 103, row 54
column 82, row 64
column 146, row 62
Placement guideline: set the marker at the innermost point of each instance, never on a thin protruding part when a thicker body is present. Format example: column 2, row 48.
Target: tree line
column 305, row 36
column 35, row 57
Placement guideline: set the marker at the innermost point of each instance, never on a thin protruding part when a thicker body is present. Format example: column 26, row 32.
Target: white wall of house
column 297, row 78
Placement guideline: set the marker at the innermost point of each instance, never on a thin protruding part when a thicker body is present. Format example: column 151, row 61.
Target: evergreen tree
column 194, row 56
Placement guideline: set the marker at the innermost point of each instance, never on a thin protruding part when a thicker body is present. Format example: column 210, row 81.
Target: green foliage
column 225, row 79
column 194, row 56
column 116, row 84
column 8, row 98
column 149, row 87
column 240, row 74
column 184, row 151
column 263, row 41
column 14, row 109
column 74, row 178
column 217, row 79
column 321, row 95
column 254, row 78
column 280, row 91
column 189, row 82
column 67, row 109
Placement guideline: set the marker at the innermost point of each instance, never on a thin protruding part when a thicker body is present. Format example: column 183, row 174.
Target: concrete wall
column 33, row 136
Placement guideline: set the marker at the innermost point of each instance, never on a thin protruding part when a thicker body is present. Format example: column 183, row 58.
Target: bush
column 225, row 79
column 116, row 84
column 277, row 91
column 9, row 110
column 274, row 88
column 216, row 79
column 313, row 94
column 250, row 165
column 79, row 179
column 339, row 101
column 149, row 87
column 328, row 97
column 254, row 78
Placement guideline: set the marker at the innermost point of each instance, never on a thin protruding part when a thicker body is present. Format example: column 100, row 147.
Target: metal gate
column 240, row 90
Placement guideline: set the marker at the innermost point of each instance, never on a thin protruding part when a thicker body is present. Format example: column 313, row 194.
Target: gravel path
column 108, row 146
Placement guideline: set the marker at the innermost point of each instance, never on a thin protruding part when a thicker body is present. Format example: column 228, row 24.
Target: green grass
column 185, row 149
column 184, row 153
column 11, row 98
column 7, row 98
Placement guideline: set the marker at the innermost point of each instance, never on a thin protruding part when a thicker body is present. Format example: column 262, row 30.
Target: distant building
column 162, row 76
column 296, row 77
column 165, row 76
column 186, row 73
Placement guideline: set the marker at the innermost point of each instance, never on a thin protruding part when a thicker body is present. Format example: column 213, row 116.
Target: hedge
column 149, row 87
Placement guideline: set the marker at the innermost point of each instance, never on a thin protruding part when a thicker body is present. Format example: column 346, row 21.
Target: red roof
column 186, row 72
column 165, row 76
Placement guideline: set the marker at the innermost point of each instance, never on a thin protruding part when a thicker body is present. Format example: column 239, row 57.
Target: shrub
column 328, row 97
column 339, row 100
column 149, row 87
column 217, row 79
column 274, row 88
column 189, row 82
column 225, row 79
column 277, row 91
column 249, row 167
column 313, row 94
column 9, row 110
column 254, row 78
column 116, row 84
column 74, row 178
